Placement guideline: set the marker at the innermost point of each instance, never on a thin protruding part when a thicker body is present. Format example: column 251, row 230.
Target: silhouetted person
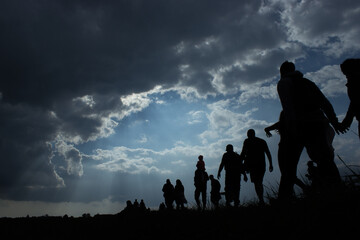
column 168, row 190
column 200, row 164
column 233, row 170
column 351, row 69
column 305, row 125
column 129, row 205
column 200, row 181
column 179, row 195
column 253, row 153
column 142, row 205
column 215, row 195
column 129, row 208
column 136, row 204
column 282, row 149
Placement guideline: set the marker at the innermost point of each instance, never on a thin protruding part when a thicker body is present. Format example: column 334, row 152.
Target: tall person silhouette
column 307, row 114
column 253, row 153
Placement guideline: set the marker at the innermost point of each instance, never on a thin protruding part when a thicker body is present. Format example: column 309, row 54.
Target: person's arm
column 268, row 129
column 329, row 111
column 220, row 168
column 350, row 114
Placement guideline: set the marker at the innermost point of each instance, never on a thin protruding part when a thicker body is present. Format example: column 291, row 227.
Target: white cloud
column 72, row 157
column 332, row 26
column 123, row 159
column 227, row 124
column 253, row 91
column 330, row 80
column 195, row 117
column 179, row 162
column 143, row 139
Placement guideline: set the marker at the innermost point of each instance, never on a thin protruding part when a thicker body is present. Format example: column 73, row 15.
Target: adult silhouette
column 129, row 208
column 200, row 181
column 232, row 163
column 253, row 153
column 215, row 195
column 307, row 114
column 142, row 205
column 351, row 69
column 179, row 195
column 168, row 190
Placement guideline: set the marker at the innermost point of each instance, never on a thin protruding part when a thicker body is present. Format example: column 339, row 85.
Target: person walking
column 253, row 153
column 306, row 123
column 200, row 181
column 179, row 195
column 168, row 190
column 215, row 195
column 232, row 163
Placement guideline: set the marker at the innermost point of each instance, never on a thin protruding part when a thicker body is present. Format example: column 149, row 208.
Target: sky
column 102, row 101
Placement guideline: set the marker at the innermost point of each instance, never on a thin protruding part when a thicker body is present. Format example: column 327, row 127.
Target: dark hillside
column 305, row 218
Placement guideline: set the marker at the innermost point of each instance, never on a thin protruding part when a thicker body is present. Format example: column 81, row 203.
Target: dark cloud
column 58, row 49
column 25, row 132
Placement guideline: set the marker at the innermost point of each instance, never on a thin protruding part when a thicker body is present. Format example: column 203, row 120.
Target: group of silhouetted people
column 172, row 194
column 307, row 120
column 135, row 207
column 251, row 160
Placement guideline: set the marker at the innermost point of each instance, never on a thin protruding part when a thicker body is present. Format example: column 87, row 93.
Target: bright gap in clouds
column 167, row 120
column 164, row 139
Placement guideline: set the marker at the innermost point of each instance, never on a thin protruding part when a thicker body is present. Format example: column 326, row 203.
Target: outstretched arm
column 268, row 129
column 220, row 168
column 350, row 114
column 329, row 111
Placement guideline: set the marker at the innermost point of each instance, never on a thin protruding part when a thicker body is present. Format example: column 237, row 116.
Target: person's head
column 200, row 157
column 229, row 148
column 178, row 182
column 168, row 181
column 251, row 133
column 350, row 66
column 286, row 68
column 211, row 177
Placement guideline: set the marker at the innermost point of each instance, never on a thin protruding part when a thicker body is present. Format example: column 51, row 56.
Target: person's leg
column 197, row 195
column 289, row 160
column 228, row 190
column 236, row 195
column 204, row 197
column 319, row 148
column 169, row 203
column 259, row 189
